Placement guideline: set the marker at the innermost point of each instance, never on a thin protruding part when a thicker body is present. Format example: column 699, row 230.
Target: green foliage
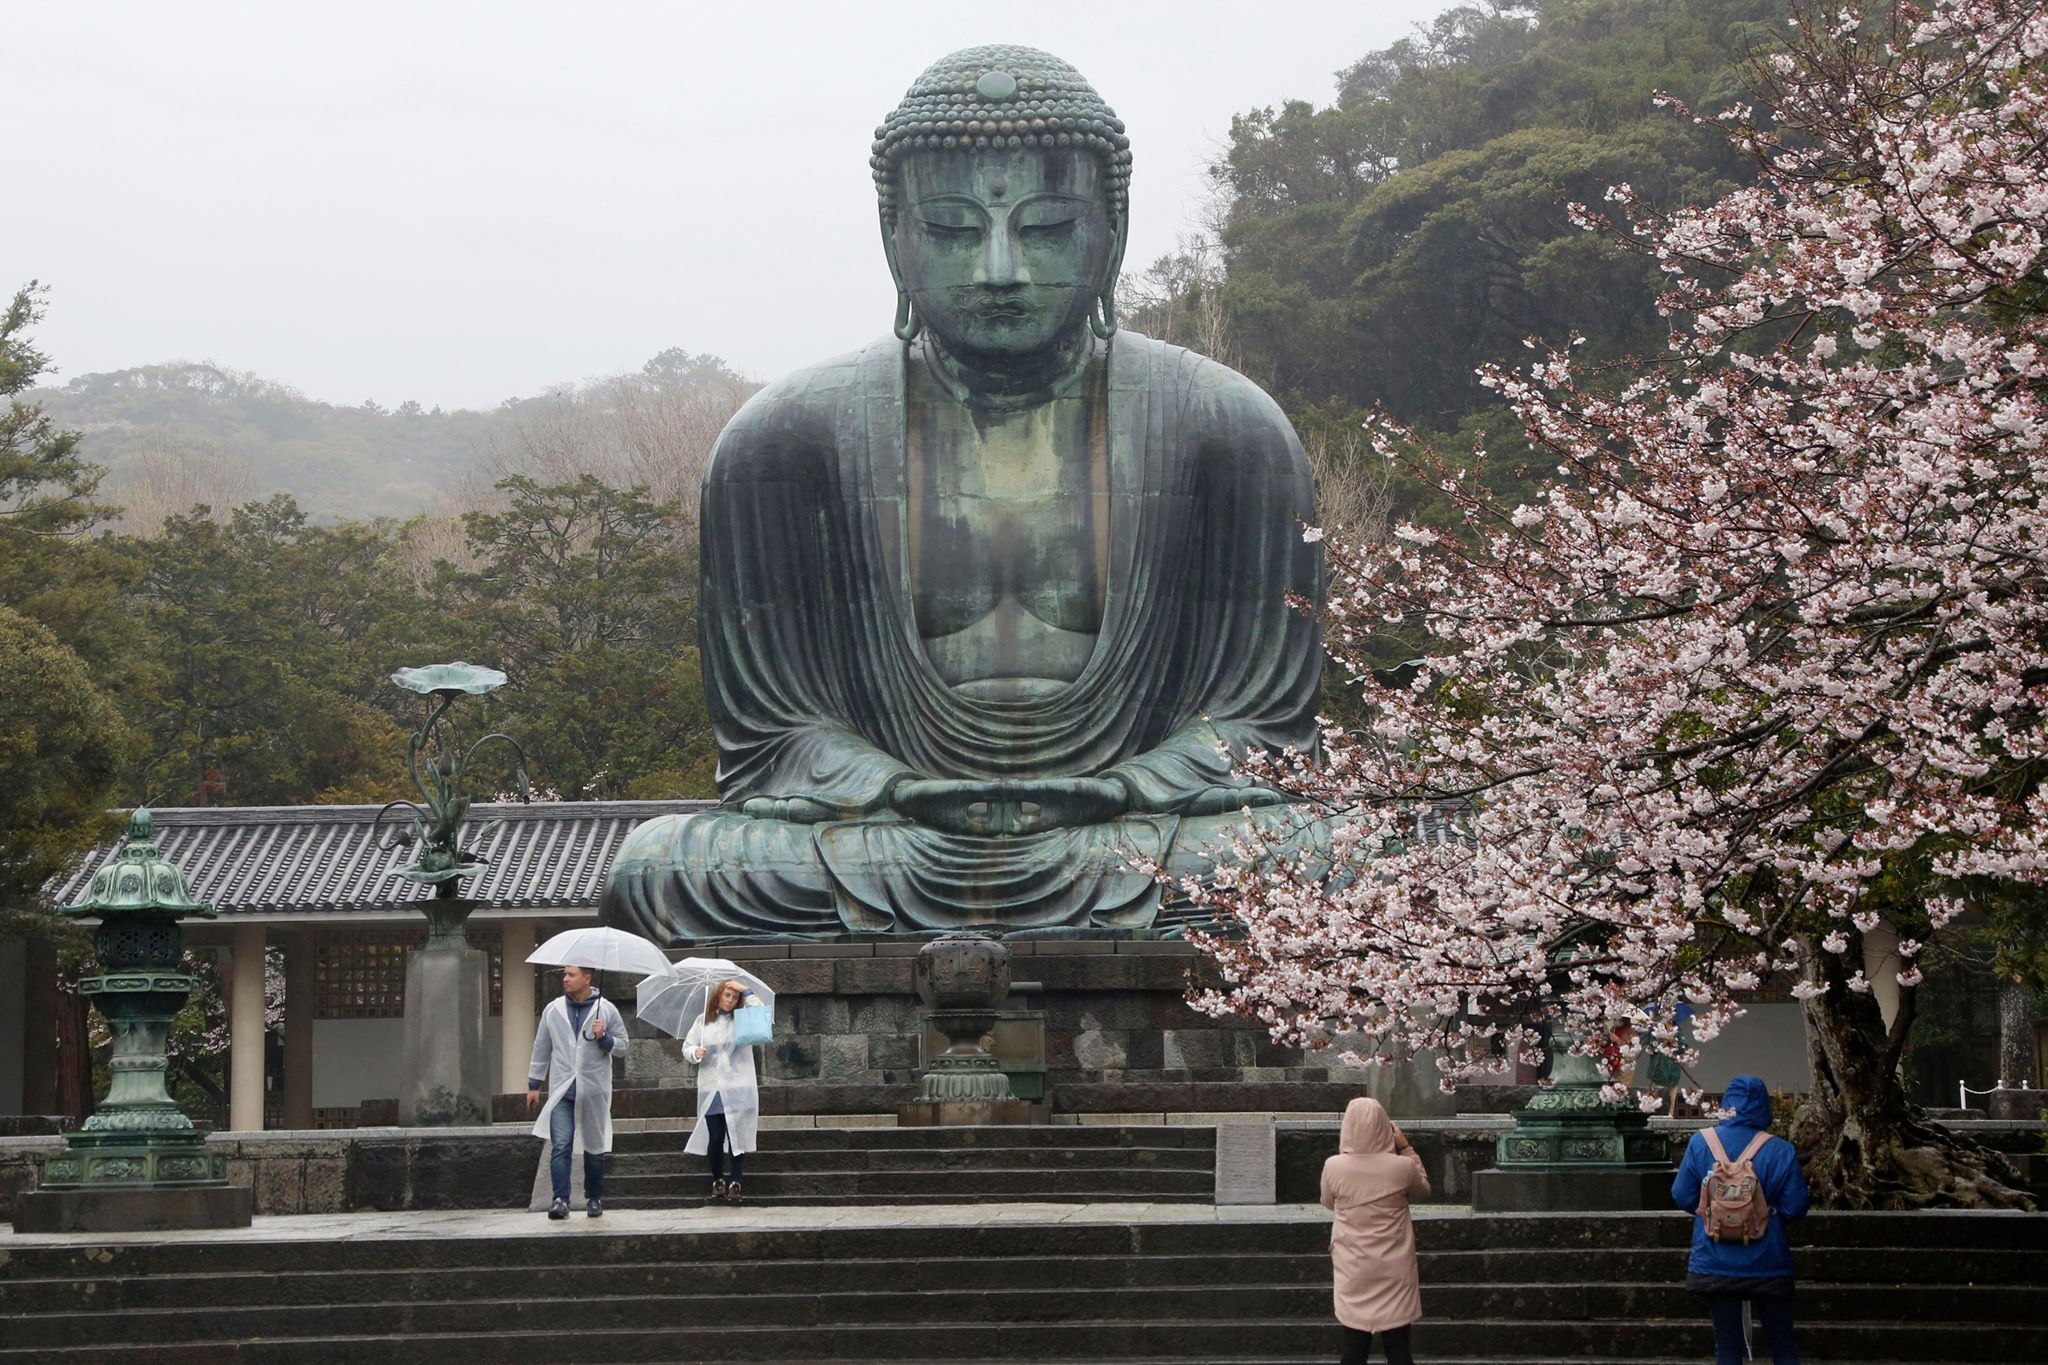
column 585, row 595
column 46, row 489
column 1377, row 251
column 49, row 570
column 272, row 639
column 61, row 736
column 61, row 745
column 269, row 641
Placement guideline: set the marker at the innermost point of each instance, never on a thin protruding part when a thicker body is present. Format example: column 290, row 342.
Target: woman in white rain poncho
column 728, row 1102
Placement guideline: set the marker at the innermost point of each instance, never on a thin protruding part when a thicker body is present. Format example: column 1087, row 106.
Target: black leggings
column 714, row 1127
column 1358, row 1347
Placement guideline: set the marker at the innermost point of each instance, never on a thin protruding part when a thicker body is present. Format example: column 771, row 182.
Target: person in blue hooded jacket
column 1728, row 1272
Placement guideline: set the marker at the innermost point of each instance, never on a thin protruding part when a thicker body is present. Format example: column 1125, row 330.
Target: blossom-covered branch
column 1777, row 620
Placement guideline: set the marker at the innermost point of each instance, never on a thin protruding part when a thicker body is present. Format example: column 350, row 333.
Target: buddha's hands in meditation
column 800, row 810
column 1010, row 807
column 1222, row 800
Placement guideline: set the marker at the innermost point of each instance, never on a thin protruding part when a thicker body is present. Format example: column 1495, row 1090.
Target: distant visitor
column 989, row 605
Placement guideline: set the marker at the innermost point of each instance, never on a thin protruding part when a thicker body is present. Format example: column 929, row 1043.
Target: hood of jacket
column 1367, row 1129
column 1750, row 1098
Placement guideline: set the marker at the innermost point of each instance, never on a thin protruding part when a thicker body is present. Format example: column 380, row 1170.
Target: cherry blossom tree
column 1759, row 672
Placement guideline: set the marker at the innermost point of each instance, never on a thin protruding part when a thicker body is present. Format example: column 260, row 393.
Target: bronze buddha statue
column 988, row 606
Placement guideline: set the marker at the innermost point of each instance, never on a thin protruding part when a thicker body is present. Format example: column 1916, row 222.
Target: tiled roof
column 249, row 860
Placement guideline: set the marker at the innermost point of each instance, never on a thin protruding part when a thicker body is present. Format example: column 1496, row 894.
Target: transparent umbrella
column 608, row 950
column 673, row 997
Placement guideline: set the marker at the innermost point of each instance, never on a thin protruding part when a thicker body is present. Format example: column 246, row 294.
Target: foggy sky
column 460, row 203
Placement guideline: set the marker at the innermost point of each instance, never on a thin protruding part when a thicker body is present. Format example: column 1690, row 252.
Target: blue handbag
column 752, row 1024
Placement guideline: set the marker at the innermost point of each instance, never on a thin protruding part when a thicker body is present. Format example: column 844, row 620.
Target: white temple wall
column 1768, row 1041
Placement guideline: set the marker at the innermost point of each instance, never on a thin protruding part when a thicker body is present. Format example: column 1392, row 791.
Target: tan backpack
column 1731, row 1198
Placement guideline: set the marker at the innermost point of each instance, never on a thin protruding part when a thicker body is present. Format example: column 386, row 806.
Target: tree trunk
column 1863, row 1146
column 2016, row 1034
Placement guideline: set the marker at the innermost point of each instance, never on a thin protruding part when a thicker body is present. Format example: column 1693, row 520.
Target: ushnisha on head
column 1004, row 187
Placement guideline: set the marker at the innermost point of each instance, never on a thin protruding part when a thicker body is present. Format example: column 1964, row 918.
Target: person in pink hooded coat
column 1369, row 1184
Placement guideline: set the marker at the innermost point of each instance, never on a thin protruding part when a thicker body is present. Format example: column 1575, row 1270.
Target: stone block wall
column 1119, row 1034
column 339, row 1171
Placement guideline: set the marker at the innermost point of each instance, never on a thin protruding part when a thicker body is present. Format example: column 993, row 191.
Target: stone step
column 842, row 1201
column 677, row 1161
column 538, row 1247
column 951, row 1136
column 246, row 1287
column 959, row 1186
column 1264, row 1337
column 1918, row 1284
column 1905, row 1266
column 249, row 1305
column 1988, row 1246
column 1497, row 1289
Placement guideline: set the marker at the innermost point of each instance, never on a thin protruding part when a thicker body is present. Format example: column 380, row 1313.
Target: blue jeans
column 1773, row 1315
column 562, row 1137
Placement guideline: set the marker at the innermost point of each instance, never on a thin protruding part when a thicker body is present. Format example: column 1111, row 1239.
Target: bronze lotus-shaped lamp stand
column 447, row 1079
column 1571, row 1148
column 138, row 1164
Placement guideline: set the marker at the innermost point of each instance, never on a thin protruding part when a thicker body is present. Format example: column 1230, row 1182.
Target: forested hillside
column 1374, row 251
column 170, row 435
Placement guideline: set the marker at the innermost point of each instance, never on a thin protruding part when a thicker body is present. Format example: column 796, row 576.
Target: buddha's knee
column 717, row 874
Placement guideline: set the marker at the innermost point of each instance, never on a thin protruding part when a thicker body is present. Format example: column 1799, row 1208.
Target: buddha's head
column 1004, row 183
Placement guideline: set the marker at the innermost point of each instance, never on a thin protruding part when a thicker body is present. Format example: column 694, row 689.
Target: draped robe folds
column 819, row 685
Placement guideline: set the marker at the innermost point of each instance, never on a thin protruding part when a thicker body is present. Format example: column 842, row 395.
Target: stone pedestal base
column 2016, row 1104
column 1563, row 1190
column 447, row 989
column 945, row 1113
column 134, row 1210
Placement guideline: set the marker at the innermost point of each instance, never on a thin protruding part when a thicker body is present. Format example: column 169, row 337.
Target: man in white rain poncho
column 580, row 1032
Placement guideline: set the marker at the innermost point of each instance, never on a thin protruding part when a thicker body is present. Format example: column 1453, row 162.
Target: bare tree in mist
column 169, row 477
column 1354, row 487
column 652, row 430
column 432, row 539
column 1176, row 298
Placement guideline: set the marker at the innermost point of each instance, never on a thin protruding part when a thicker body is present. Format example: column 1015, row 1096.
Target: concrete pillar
column 515, row 1011
column 1881, row 966
column 245, row 1032
column 299, row 991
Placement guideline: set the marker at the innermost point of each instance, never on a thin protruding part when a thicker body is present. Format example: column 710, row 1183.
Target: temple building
column 310, row 883
column 309, row 886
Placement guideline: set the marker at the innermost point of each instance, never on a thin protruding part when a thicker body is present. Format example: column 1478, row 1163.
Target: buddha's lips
column 1000, row 308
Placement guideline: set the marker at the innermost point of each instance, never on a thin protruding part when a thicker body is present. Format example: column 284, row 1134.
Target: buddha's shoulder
column 803, row 405
column 1224, row 410
column 1215, row 392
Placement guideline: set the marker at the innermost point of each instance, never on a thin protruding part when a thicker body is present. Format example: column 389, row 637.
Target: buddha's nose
column 1001, row 262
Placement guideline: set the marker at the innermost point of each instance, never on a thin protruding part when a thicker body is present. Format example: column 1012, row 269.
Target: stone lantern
column 138, row 1164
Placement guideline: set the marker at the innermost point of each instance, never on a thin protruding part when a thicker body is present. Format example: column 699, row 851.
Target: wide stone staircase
column 1051, row 1164
column 1093, row 1286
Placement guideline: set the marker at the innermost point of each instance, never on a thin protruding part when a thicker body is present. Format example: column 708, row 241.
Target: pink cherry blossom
column 1779, row 618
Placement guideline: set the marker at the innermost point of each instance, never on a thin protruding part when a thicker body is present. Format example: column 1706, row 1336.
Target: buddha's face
column 1003, row 252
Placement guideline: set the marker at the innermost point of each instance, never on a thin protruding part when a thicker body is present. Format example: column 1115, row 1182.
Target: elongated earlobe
column 1102, row 314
